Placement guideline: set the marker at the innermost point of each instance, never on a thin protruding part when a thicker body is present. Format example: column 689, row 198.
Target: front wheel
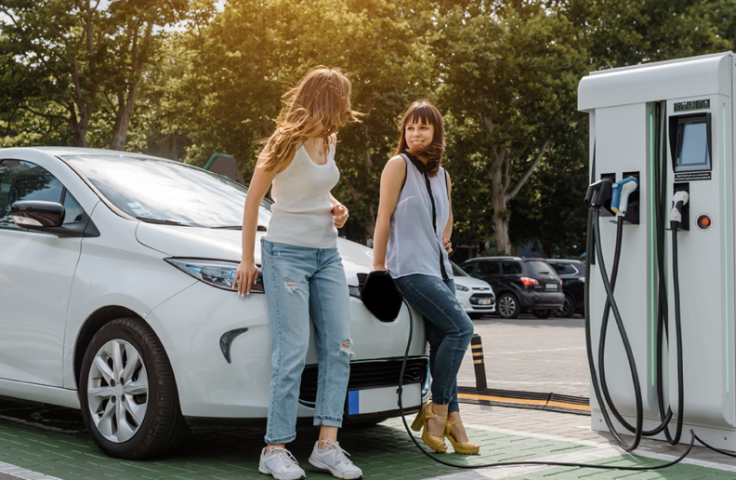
column 127, row 391
column 508, row 306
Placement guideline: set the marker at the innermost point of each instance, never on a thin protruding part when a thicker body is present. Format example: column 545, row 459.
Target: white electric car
column 475, row 295
column 116, row 298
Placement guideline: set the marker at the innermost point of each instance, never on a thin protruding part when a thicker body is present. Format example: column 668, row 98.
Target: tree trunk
column 498, row 191
column 122, row 119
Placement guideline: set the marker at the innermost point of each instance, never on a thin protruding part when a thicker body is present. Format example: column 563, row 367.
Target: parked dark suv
column 520, row 284
column 572, row 273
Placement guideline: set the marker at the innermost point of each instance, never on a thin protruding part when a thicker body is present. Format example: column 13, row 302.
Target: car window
column 489, row 268
column 539, row 267
column 457, row 271
column 25, row 181
column 159, row 191
column 468, row 267
column 564, row 269
column 72, row 210
column 511, row 268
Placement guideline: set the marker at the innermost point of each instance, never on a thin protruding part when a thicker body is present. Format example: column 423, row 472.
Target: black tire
column 475, row 315
column 163, row 425
column 568, row 308
column 542, row 314
column 508, row 306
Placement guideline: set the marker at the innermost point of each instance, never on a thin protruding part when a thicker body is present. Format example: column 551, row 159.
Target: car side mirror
column 37, row 214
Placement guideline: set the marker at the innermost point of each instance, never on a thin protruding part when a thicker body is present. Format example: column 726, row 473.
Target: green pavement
column 680, row 471
column 383, row 452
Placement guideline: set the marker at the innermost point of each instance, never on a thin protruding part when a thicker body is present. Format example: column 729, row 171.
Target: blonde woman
column 412, row 242
column 302, row 270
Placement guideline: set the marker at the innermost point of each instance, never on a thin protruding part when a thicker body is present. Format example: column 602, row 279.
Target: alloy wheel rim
column 117, row 391
column 507, row 306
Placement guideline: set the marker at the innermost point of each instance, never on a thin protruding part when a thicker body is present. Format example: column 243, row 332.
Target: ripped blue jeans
column 449, row 331
column 303, row 283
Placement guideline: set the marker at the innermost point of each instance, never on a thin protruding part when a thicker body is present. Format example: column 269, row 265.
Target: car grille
column 365, row 375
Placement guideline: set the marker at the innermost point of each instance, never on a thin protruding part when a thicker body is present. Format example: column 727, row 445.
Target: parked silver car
column 476, row 296
column 116, row 274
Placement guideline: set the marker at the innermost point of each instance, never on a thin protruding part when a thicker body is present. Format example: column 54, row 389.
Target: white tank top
column 414, row 243
column 302, row 212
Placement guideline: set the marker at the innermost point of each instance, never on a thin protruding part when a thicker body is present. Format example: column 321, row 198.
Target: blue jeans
column 449, row 331
column 300, row 283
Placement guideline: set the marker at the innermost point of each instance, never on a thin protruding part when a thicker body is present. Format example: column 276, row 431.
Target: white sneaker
column 281, row 464
column 333, row 458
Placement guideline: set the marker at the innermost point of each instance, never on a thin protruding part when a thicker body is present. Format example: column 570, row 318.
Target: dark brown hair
column 423, row 111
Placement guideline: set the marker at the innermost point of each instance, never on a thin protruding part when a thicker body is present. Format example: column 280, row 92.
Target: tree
column 63, row 56
column 510, row 74
column 242, row 61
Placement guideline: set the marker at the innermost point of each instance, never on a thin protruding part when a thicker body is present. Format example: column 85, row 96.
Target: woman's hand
column 447, row 244
column 379, row 268
column 245, row 277
column 340, row 215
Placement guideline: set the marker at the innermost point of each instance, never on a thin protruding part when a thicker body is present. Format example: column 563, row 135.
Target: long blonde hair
column 316, row 107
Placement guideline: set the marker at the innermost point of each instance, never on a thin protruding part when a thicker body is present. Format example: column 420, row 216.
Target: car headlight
column 461, row 288
column 218, row 273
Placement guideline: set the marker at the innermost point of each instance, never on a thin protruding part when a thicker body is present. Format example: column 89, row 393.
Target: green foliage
column 503, row 72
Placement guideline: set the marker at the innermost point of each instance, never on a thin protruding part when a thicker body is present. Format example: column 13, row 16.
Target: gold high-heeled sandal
column 464, row 448
column 433, row 442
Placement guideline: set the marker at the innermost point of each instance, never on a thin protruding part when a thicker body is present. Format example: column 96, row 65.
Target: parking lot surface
column 529, row 354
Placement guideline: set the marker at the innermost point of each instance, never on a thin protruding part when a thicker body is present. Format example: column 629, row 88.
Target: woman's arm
column 340, row 212
column 392, row 179
column 247, row 272
column 447, row 232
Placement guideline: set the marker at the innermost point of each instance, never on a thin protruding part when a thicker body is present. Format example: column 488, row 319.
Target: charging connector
column 679, row 201
column 599, row 193
column 620, row 195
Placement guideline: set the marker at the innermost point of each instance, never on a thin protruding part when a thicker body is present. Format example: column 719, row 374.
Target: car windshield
column 540, row 268
column 167, row 192
column 457, row 271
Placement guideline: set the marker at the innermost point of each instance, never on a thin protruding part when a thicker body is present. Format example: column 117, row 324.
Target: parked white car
column 116, row 275
column 475, row 295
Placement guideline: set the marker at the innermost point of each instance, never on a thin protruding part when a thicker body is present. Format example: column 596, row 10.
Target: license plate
column 551, row 286
column 385, row 399
column 484, row 301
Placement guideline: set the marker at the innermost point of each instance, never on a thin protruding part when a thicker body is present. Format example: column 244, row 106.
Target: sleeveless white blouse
column 302, row 212
column 414, row 243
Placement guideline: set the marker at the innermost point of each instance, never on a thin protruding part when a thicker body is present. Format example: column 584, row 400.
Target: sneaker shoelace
column 339, row 452
column 286, row 457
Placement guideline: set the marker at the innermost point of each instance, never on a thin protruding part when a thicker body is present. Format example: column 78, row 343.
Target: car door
column 36, row 271
column 510, row 275
column 490, row 271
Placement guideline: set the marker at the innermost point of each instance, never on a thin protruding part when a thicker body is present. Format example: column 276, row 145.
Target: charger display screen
column 692, row 145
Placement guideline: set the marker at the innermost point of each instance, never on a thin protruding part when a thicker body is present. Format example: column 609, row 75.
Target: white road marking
column 18, row 472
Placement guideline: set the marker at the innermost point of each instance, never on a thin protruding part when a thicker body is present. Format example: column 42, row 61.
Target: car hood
column 471, row 282
column 217, row 244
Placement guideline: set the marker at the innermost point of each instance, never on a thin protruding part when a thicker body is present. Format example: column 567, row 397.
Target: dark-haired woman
column 412, row 242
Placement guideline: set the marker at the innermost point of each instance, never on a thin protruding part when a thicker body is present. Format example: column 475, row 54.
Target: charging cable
column 510, row 464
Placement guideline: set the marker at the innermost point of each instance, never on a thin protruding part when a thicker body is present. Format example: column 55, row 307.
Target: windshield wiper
column 260, row 228
column 158, row 221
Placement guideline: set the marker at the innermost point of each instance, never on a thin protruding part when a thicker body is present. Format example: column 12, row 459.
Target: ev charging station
column 670, row 126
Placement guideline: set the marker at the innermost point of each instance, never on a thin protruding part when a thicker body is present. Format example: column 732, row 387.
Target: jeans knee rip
column 346, row 348
column 290, row 285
